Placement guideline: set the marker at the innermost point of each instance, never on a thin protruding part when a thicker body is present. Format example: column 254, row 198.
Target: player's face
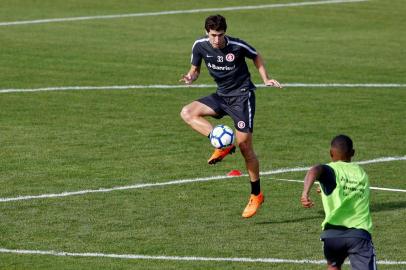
column 217, row 39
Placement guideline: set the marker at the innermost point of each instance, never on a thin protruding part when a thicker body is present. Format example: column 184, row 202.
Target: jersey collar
column 227, row 40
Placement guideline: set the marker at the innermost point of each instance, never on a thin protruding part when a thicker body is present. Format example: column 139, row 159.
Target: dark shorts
column 360, row 251
column 240, row 108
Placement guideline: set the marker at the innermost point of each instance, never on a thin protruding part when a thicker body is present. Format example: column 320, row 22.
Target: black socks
column 255, row 187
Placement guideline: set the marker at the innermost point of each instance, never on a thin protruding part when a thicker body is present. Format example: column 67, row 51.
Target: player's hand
column 318, row 190
column 306, row 202
column 273, row 83
column 187, row 79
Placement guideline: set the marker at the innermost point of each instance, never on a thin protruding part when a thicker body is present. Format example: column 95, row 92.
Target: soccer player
column 224, row 57
column 345, row 196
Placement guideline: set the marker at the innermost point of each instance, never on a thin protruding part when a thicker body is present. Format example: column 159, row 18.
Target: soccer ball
column 221, row 136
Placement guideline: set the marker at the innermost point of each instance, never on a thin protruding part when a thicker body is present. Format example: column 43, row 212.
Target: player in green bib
column 345, row 193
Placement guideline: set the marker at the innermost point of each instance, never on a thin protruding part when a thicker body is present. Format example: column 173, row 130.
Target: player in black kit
column 224, row 57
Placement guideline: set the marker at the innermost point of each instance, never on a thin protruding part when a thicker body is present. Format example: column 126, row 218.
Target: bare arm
column 259, row 63
column 191, row 76
column 312, row 175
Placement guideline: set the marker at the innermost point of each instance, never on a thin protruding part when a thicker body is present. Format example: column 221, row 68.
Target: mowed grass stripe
column 118, row 16
column 178, row 258
column 186, row 181
column 169, row 86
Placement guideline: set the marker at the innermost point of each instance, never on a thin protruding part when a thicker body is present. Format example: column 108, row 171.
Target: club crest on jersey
column 241, row 124
column 230, row 57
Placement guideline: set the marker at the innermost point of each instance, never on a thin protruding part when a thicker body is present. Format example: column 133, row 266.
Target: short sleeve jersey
column 227, row 66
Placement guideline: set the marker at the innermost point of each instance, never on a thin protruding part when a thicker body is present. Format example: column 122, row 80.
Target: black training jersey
column 227, row 65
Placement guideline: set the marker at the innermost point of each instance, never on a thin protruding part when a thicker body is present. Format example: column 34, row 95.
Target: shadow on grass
column 388, row 206
column 375, row 207
column 320, row 216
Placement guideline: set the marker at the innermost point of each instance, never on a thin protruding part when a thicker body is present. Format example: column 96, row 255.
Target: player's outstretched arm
column 191, row 76
column 309, row 180
column 259, row 63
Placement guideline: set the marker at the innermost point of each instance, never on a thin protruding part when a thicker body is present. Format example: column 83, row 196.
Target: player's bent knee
column 185, row 114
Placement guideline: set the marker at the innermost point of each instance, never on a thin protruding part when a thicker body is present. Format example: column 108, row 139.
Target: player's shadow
column 375, row 207
column 294, row 220
column 387, row 206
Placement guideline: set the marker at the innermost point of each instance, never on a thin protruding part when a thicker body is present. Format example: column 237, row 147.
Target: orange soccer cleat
column 221, row 153
column 253, row 205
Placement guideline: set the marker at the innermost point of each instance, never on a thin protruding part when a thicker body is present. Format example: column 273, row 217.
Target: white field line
column 374, row 188
column 177, row 258
column 117, row 16
column 370, row 161
column 178, row 182
column 388, row 189
column 180, row 86
column 168, row 258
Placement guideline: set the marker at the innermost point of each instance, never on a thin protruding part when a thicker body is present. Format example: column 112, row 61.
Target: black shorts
column 240, row 108
column 360, row 251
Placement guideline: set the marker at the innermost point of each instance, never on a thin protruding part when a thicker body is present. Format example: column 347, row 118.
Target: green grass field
column 66, row 141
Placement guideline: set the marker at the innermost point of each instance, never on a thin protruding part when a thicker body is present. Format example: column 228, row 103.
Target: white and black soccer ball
column 221, row 136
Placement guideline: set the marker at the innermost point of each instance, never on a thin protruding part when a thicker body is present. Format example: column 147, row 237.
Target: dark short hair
column 215, row 22
column 343, row 143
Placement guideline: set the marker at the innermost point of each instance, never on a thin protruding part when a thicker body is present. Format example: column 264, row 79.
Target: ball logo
column 230, row 57
column 241, row 124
